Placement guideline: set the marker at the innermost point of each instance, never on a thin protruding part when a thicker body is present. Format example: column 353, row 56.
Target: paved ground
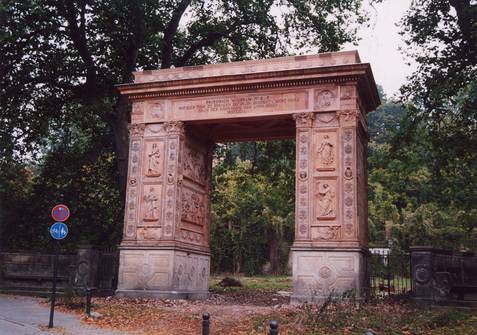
column 25, row 316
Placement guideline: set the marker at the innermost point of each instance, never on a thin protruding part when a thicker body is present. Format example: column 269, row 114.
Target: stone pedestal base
column 319, row 274
column 162, row 273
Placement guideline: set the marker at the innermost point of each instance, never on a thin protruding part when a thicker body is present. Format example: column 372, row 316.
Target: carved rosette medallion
column 303, row 123
column 348, row 182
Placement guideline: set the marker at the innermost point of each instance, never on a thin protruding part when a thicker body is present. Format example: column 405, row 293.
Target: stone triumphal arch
column 321, row 100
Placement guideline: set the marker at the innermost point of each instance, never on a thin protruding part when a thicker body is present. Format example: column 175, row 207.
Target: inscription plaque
column 241, row 104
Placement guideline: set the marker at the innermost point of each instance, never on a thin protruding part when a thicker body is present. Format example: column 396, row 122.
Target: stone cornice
column 360, row 73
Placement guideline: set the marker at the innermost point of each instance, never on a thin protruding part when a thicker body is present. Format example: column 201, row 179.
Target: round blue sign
column 58, row 231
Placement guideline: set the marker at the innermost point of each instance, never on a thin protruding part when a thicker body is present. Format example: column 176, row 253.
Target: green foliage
column 63, row 126
column 253, row 206
column 423, row 181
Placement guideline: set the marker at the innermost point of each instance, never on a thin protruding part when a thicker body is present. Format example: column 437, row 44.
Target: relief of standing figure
column 325, row 202
column 154, row 163
column 325, row 151
column 152, row 212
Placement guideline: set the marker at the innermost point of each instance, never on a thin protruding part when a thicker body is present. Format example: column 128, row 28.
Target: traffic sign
column 58, row 230
column 60, row 213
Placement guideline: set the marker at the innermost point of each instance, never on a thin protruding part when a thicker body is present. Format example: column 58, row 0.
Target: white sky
column 380, row 42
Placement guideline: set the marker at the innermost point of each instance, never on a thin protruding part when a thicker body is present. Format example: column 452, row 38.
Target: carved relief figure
column 326, row 200
column 326, row 152
column 151, row 212
column 326, row 98
column 193, row 209
column 194, row 166
column 157, row 111
column 326, row 232
column 154, row 161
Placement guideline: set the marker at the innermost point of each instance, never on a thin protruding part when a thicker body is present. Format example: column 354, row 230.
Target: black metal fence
column 31, row 273
column 390, row 273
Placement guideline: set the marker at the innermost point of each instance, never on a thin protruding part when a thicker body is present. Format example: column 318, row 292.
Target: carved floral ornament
column 347, row 115
column 136, row 129
column 174, row 127
column 303, row 119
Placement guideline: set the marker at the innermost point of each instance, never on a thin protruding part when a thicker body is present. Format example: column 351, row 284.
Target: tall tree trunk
column 119, row 125
column 274, row 252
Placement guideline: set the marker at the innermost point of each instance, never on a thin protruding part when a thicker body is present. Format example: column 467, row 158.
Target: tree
column 62, row 57
column 440, row 126
column 253, row 206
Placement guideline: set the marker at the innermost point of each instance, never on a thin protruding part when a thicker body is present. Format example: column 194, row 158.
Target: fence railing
column 31, row 272
column 390, row 273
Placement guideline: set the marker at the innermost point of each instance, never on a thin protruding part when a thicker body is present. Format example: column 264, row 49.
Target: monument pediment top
column 249, row 66
column 338, row 68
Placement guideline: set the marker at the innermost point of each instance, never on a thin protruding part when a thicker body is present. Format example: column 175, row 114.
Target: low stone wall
column 444, row 278
column 32, row 272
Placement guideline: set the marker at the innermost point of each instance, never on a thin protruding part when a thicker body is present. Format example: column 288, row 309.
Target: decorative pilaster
column 304, row 123
column 136, row 134
column 175, row 135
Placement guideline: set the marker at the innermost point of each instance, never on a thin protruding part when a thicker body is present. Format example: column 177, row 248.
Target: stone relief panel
column 148, row 233
column 325, row 195
column 326, row 151
column 348, row 92
column 348, row 182
column 194, row 165
column 156, row 111
column 191, row 272
column 325, row 273
column 153, row 130
column 193, row 207
column 326, row 120
column 145, row 270
column 326, row 233
column 326, row 98
column 151, row 203
column 154, row 158
column 137, row 114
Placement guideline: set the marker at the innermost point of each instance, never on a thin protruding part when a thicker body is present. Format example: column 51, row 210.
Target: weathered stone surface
column 321, row 100
column 163, row 274
column 319, row 274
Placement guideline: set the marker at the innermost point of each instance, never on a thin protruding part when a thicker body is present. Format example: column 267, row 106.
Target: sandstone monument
column 178, row 114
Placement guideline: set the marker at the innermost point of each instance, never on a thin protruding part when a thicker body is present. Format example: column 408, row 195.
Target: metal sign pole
column 53, row 291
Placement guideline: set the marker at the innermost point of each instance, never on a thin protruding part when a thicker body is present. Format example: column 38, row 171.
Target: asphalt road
column 24, row 316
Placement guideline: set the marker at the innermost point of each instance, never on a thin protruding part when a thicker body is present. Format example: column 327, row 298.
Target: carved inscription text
column 237, row 104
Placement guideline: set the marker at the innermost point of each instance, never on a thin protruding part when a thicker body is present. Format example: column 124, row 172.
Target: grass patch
column 271, row 283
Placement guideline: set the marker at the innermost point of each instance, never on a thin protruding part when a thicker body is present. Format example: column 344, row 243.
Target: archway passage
column 178, row 114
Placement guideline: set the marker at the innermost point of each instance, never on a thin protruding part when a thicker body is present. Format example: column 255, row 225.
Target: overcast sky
column 380, row 42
